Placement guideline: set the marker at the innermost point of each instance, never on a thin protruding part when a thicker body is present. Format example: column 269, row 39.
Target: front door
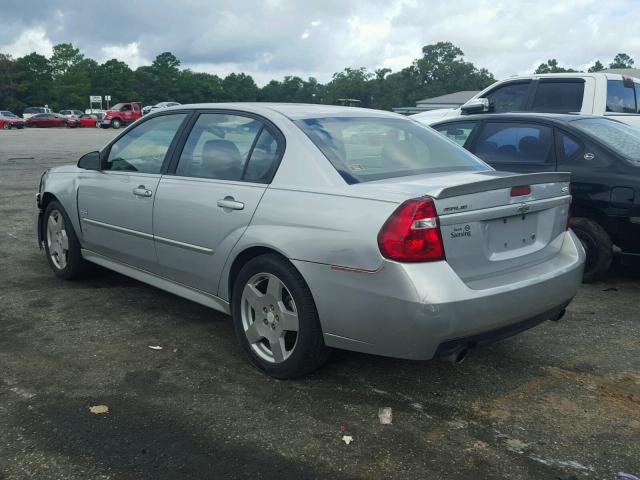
column 116, row 203
column 205, row 206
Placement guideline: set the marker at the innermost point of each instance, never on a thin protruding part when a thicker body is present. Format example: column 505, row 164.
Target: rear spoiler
column 503, row 182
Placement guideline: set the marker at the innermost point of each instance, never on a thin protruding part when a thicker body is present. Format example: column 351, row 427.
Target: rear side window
column 558, row 96
column 509, row 98
column 364, row 149
column 621, row 97
column 458, row 132
column 506, row 142
column 568, row 146
column 229, row 147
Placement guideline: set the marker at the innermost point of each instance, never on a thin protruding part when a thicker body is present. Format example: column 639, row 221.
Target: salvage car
column 9, row 120
column 86, row 120
column 603, row 156
column 46, row 120
column 318, row 227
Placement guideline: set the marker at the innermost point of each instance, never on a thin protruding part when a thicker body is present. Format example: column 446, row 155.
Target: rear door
column 560, row 95
column 116, row 203
column 516, row 146
column 202, row 209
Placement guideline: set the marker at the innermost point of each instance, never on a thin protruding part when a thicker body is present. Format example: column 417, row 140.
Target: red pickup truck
column 121, row 114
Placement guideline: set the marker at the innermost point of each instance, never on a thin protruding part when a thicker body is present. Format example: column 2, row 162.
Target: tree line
column 621, row 60
column 67, row 78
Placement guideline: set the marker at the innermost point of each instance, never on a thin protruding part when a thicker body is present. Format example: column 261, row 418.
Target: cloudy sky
column 272, row 38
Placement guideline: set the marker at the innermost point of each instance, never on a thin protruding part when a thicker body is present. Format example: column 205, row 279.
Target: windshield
column 7, row 114
column 622, row 138
column 364, row 149
column 117, row 106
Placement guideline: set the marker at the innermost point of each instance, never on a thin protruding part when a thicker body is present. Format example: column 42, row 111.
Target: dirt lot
column 559, row 401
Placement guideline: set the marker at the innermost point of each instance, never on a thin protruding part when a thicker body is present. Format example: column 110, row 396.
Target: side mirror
column 477, row 105
column 90, row 161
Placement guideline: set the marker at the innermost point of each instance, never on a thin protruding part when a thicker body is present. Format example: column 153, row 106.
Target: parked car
column 317, row 227
column 44, row 120
column 161, row 105
column 603, row 156
column 87, row 120
column 604, row 94
column 9, row 120
column 71, row 113
column 146, row 109
column 121, row 114
column 31, row 111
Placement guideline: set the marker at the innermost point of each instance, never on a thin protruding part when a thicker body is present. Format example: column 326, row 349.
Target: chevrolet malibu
column 318, row 227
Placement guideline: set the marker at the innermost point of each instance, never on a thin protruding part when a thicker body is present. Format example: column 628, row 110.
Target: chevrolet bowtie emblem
column 523, row 208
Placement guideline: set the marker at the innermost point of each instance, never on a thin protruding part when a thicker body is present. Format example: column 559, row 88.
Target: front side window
column 558, row 96
column 144, row 148
column 509, row 98
column 458, row 132
column 510, row 142
column 364, row 149
column 229, row 147
column 621, row 97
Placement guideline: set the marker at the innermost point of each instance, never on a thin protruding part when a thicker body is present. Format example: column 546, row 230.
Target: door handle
column 230, row 203
column 142, row 191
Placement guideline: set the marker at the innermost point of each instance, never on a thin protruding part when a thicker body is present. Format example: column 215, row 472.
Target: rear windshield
column 364, row 149
column 619, row 136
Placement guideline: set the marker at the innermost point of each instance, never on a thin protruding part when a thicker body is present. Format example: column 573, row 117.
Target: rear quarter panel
column 322, row 228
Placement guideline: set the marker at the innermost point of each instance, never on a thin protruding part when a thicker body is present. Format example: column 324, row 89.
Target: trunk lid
column 486, row 231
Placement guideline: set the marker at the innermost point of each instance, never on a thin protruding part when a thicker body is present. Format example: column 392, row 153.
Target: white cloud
column 31, row 40
column 130, row 54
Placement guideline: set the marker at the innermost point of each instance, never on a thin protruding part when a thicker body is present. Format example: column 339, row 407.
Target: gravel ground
column 559, row 401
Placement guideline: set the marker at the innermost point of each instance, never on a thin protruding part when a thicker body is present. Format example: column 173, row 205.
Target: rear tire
column 597, row 245
column 270, row 300
column 61, row 243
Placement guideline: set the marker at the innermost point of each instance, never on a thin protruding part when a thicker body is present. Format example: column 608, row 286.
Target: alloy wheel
column 269, row 317
column 57, row 240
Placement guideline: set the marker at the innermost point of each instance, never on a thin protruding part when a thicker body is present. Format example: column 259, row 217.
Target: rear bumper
column 410, row 310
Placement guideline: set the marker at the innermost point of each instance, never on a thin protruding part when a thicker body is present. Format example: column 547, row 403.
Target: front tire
column 6, row 126
column 597, row 245
column 61, row 243
column 276, row 320
column 116, row 124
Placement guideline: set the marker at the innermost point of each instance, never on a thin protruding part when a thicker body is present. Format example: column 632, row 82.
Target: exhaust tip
column 457, row 357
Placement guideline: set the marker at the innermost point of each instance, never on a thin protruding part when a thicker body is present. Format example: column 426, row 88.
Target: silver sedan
column 318, row 227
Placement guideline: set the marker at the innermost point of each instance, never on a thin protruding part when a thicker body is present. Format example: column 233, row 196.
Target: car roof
column 295, row 111
column 553, row 117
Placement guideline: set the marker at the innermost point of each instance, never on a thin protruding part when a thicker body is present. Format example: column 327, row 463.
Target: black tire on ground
column 310, row 352
column 75, row 266
column 597, row 245
column 115, row 123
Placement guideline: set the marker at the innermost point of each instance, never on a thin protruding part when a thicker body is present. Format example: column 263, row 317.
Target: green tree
column 35, row 84
column 10, row 81
column 551, row 66
column 114, row 78
column 197, row 87
column 621, row 60
column 239, row 87
column 596, row 67
column 351, row 83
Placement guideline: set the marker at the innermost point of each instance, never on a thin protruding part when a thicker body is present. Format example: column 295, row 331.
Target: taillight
column 412, row 233
column 521, row 191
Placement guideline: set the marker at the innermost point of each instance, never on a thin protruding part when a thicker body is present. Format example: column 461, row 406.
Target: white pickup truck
column 606, row 94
